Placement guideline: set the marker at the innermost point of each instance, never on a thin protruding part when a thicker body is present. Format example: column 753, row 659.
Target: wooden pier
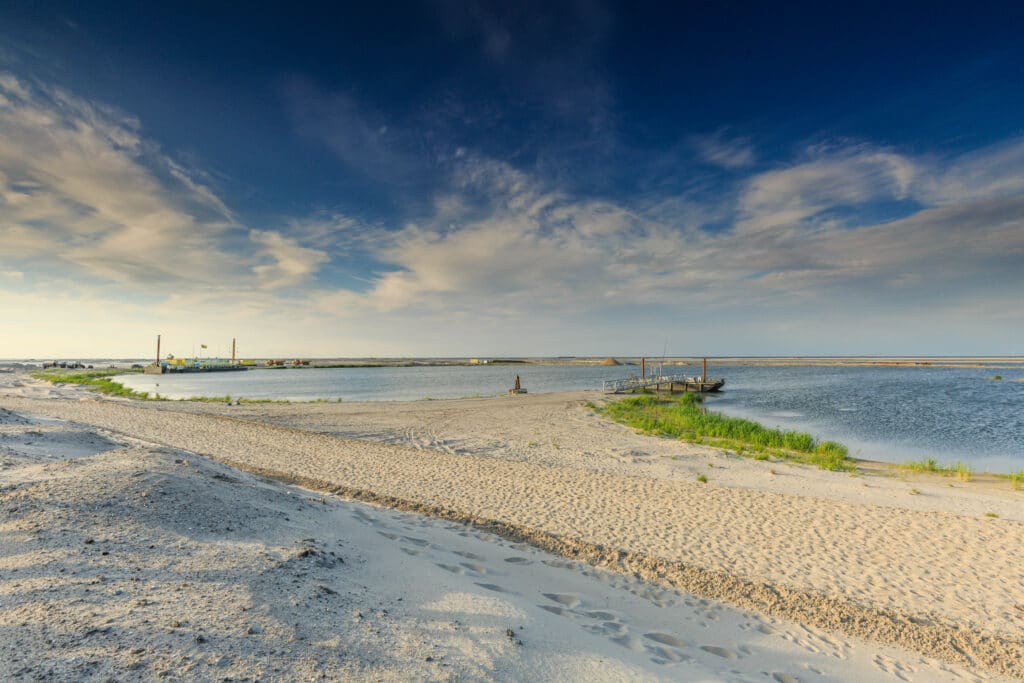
column 669, row 383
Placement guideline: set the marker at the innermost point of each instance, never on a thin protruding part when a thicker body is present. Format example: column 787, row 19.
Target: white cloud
column 719, row 150
column 82, row 191
column 85, row 198
column 287, row 264
column 827, row 180
column 537, row 249
column 994, row 171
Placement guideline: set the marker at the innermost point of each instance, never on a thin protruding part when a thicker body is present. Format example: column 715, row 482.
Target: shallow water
column 882, row 413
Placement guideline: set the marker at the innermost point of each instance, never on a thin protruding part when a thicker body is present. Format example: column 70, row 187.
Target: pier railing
column 615, row 386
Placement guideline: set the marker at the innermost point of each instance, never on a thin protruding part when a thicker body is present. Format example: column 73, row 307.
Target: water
column 890, row 414
column 375, row 384
column 882, row 413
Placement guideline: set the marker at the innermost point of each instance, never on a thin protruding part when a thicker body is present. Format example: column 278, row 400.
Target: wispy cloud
column 88, row 203
column 826, row 179
column 536, row 248
column 718, row 149
column 285, row 262
column 81, row 190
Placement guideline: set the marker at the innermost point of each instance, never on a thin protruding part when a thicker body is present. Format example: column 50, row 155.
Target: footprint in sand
column 496, row 588
column 364, row 518
column 668, row 655
column 518, row 560
column 554, row 609
column 784, row 677
column 451, row 568
column 418, row 541
column 474, row 567
column 468, row 555
column 665, row 639
column 410, row 551
column 564, row 599
column 604, row 616
column 629, row 642
column 614, row 628
column 719, row 651
column 560, row 564
column 393, row 537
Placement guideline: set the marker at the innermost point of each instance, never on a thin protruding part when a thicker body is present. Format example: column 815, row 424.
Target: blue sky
column 452, row 179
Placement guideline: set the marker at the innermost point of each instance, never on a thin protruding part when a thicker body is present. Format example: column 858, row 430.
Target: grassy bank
column 100, row 382
column 95, row 380
column 685, row 418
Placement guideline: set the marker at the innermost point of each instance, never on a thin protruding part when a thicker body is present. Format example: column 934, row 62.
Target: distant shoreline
column 993, row 362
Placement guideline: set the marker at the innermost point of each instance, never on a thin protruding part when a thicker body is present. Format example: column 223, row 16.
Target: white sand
column 226, row 535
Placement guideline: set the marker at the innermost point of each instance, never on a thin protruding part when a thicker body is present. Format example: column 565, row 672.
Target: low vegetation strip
column 96, row 380
column 100, row 382
column 686, row 418
column 958, row 470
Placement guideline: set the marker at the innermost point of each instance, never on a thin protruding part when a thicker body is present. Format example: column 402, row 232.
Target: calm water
column 890, row 414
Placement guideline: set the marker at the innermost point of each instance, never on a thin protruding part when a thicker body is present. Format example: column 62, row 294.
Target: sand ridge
column 134, row 561
column 955, row 573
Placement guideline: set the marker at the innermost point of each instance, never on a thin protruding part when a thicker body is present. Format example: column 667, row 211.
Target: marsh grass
column 1016, row 480
column 958, row 469
column 100, row 382
column 685, row 418
column 96, row 380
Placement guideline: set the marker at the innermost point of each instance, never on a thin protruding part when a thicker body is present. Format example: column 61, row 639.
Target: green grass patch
column 100, row 382
column 1016, row 480
column 958, row 469
column 96, row 380
column 686, row 418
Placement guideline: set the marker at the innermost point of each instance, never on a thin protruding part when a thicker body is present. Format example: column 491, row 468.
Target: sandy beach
column 484, row 539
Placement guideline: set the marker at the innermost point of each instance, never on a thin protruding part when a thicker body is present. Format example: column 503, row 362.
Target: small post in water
column 158, row 349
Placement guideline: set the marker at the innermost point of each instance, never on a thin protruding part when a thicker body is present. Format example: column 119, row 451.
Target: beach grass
column 100, row 382
column 686, row 418
column 959, row 470
column 1016, row 480
column 96, row 380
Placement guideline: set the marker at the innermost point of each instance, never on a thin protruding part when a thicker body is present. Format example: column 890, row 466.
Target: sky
column 512, row 179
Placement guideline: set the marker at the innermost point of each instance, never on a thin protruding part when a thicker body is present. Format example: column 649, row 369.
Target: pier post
column 704, row 371
column 158, row 349
column 643, row 368
column 232, row 351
